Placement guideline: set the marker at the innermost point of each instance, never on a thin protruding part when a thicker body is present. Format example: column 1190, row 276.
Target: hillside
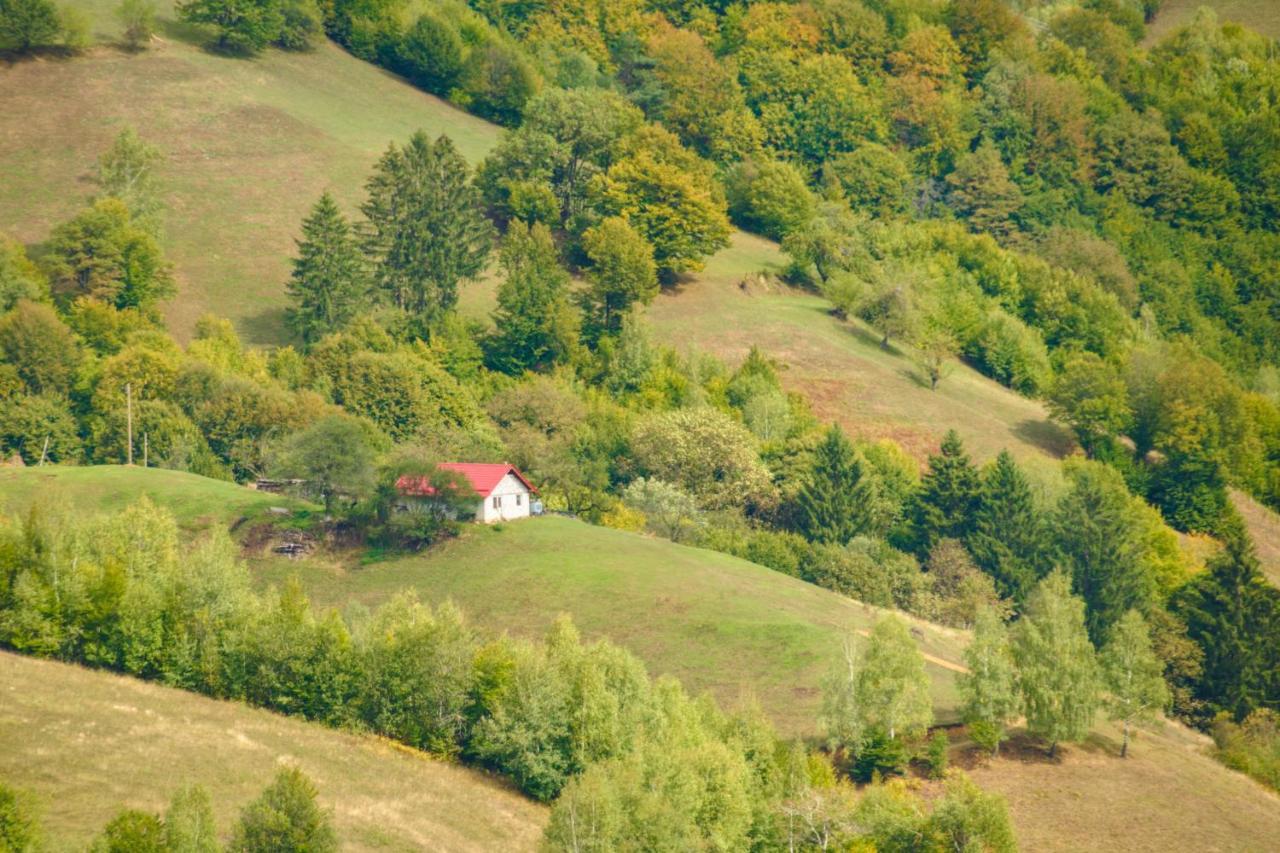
column 197, row 502
column 250, row 144
column 1260, row 15
column 715, row 622
column 125, row 743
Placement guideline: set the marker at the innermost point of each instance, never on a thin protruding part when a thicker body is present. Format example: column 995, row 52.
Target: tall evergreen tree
column 329, row 285
column 536, row 325
column 1009, row 540
column 1101, row 546
column 989, row 688
column 944, row 505
column 982, row 192
column 426, row 227
column 1057, row 667
column 1133, row 675
column 839, row 497
column 1234, row 616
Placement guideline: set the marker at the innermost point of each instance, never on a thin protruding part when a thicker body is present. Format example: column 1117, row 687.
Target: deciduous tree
column 990, row 688
column 1133, row 675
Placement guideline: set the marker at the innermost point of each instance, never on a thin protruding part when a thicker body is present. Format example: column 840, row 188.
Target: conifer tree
column 1057, row 667
column 329, row 285
column 426, row 229
column 944, row 505
column 536, row 325
column 989, row 688
column 982, row 192
column 1234, row 616
column 837, row 500
column 1009, row 539
column 1133, row 675
column 1100, row 544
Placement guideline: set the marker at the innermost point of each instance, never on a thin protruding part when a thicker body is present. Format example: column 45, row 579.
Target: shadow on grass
column 53, row 52
column 267, row 327
column 1052, row 438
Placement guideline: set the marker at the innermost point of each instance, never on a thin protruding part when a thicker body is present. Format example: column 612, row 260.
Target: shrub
column 132, row 831
column 770, row 197
column 285, row 817
column 1252, row 747
column 27, row 24
column 302, row 25
column 19, row 831
column 138, row 17
column 936, row 754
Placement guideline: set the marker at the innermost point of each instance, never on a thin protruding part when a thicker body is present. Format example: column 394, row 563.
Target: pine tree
column 536, row 325
column 838, row 498
column 1133, row 675
column 1234, row 616
column 989, row 689
column 1101, row 547
column 1057, row 667
column 426, row 227
column 982, row 192
column 944, row 505
column 329, row 285
column 1009, row 539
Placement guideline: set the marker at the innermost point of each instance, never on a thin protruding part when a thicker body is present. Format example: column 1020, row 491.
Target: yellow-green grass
column 196, row 502
column 717, row 623
column 250, row 144
column 1169, row 794
column 86, row 744
column 1260, row 15
column 840, row 366
column 1263, row 525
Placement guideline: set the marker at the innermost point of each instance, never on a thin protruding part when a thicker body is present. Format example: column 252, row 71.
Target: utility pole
column 44, row 451
column 146, row 448
column 128, row 417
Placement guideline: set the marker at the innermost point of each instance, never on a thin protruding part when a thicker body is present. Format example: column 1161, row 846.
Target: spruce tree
column 426, row 229
column 838, row 498
column 1100, row 545
column 329, row 285
column 989, row 689
column 1133, row 675
column 982, row 192
column 1234, row 616
column 1009, row 539
column 536, row 326
column 1057, row 667
column 943, row 506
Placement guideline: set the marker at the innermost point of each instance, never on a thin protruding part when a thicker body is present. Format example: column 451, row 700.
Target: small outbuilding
column 504, row 493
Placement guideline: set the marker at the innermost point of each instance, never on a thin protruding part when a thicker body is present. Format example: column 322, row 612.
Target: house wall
column 513, row 500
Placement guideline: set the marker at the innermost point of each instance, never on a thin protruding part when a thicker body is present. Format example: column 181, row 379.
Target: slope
column 125, row 743
column 250, row 145
column 1260, row 15
column 717, row 623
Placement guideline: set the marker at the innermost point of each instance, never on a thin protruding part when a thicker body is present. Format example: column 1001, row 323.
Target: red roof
column 483, row 476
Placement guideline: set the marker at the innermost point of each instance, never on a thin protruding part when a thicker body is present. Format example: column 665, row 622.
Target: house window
column 497, row 501
column 517, row 500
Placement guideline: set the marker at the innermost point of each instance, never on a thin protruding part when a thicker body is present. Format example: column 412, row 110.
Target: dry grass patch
column 90, row 743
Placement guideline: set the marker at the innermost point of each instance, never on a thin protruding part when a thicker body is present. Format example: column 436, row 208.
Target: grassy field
column 1264, row 526
column 250, row 145
column 1260, row 15
column 717, row 623
column 87, row 744
column 197, row 502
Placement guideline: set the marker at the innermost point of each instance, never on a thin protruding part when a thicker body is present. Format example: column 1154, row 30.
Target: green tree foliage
column 129, row 169
column 960, row 590
column 132, row 830
column 138, row 18
column 1057, row 668
column 28, row 24
column 1009, row 539
column 622, row 273
column 41, row 348
column 968, row 818
column 19, row 277
column 882, row 687
column 1090, row 395
column 19, row 829
column 536, row 324
column 105, row 254
column 329, row 284
column 873, row 179
column 301, row 26
column 242, row 26
column 990, row 688
column 668, row 510
column 426, row 227
column 1099, row 536
column 1133, row 675
column 982, row 193
column 871, row 571
column 1234, row 616
column 946, row 501
column 839, row 493
column 334, row 457
column 39, row 426
column 189, row 825
column 285, row 817
column 770, row 197
column 704, row 451
column 1252, row 747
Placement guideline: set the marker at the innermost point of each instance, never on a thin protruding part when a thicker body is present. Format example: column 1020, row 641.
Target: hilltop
column 126, row 743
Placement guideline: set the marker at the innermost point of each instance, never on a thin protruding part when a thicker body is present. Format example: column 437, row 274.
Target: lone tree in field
column 329, row 285
column 427, row 230
column 27, row 24
column 333, row 457
column 1133, row 675
column 990, row 688
column 129, row 170
column 243, row 26
column 839, row 493
column 882, row 686
column 1057, row 667
column 285, row 817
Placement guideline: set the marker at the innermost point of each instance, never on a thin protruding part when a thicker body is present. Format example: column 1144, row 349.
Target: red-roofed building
column 505, row 494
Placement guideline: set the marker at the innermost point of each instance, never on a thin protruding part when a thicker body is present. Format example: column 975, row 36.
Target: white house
column 505, row 494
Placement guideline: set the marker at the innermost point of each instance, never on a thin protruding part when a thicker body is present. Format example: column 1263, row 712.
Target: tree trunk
column 1124, row 744
column 1053, row 750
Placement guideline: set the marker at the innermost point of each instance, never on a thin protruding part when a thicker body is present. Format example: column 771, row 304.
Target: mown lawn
column 86, row 744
